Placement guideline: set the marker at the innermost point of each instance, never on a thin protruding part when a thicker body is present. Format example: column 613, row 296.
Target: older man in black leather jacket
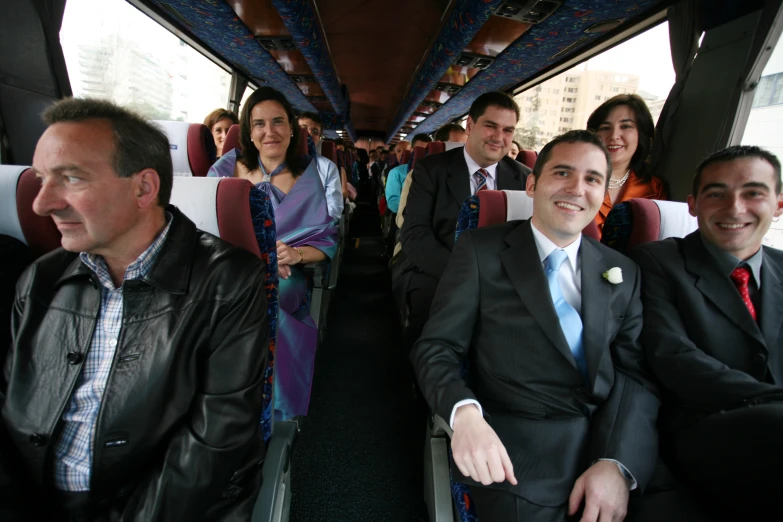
column 133, row 387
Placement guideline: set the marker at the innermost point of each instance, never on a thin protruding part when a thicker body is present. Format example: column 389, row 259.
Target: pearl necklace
column 615, row 184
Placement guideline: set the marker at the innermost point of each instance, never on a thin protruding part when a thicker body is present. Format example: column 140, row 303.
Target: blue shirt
column 74, row 448
column 394, row 181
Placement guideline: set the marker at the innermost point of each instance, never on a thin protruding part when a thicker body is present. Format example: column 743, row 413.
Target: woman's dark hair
column 217, row 115
column 249, row 156
column 640, row 161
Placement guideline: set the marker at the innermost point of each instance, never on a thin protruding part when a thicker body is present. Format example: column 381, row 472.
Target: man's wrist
column 466, row 411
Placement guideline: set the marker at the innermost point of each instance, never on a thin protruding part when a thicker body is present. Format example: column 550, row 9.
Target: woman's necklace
column 268, row 177
column 615, row 184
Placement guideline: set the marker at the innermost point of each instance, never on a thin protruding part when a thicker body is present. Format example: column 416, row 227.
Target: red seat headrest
column 435, row 147
column 232, row 140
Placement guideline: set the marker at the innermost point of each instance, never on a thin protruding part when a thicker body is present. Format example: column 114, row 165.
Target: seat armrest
column 274, row 499
column 439, row 427
column 318, row 271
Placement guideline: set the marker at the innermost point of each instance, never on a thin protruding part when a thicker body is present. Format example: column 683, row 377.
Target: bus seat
column 490, row 207
column 418, row 153
column 641, row 220
column 453, row 144
column 527, row 157
column 237, row 212
column 406, row 157
column 435, row 147
column 18, row 189
column 192, row 147
column 232, row 140
column 328, row 150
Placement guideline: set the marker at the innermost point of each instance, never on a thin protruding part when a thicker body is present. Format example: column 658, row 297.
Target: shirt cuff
column 463, row 403
column 632, row 484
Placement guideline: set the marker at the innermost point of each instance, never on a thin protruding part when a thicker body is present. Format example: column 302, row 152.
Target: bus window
column 248, row 91
column 114, row 51
column 765, row 123
column 565, row 102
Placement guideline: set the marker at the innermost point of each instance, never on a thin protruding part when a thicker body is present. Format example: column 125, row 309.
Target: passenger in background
column 306, row 233
column 218, row 122
column 134, row 383
column 712, row 311
column 513, row 152
column 400, row 149
column 327, row 170
column 440, row 184
column 557, row 417
column 451, row 132
column 625, row 125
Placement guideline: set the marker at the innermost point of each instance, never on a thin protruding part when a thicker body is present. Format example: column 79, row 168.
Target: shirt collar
column 727, row 262
column 473, row 166
column 136, row 270
column 545, row 247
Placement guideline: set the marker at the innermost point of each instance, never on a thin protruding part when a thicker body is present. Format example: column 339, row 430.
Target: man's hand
column 477, row 450
column 605, row 493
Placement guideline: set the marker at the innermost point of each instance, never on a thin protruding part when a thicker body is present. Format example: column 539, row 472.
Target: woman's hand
column 287, row 255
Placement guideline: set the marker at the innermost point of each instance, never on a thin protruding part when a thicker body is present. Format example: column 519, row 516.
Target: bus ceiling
column 375, row 69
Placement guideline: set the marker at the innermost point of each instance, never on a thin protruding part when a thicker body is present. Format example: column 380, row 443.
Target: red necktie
column 482, row 180
column 741, row 276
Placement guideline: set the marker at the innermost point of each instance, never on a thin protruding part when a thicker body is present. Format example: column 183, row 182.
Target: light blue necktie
column 570, row 322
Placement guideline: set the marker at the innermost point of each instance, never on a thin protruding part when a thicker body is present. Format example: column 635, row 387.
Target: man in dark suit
column 713, row 303
column 556, row 414
column 440, row 184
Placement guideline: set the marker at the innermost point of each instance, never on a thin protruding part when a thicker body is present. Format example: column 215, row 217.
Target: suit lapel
column 771, row 302
column 524, row 269
column 596, row 296
column 458, row 177
column 717, row 287
column 507, row 179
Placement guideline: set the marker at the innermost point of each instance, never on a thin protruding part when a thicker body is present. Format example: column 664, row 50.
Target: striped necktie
column 481, row 180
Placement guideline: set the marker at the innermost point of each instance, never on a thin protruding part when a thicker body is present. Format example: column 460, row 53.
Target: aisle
column 359, row 452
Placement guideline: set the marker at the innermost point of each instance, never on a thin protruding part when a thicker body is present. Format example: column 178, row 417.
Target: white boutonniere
column 614, row 275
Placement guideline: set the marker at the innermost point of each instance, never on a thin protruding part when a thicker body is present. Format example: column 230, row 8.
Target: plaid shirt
column 73, row 450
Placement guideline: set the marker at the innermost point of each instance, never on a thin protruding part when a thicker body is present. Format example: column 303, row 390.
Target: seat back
column 232, row 140
column 435, row 147
column 192, row 147
column 490, row 207
column 328, row 150
column 527, row 157
column 18, row 189
column 406, row 157
column 453, row 144
column 641, row 220
column 418, row 153
column 237, row 212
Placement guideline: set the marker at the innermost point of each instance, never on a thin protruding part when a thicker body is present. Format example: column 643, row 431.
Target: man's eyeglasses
column 315, row 131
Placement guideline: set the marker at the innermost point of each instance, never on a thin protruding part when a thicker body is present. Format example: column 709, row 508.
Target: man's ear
column 691, row 205
column 530, row 184
column 779, row 209
column 147, row 187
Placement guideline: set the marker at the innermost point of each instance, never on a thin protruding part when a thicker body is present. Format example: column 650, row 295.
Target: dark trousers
column 420, row 294
column 732, row 460
column 500, row 506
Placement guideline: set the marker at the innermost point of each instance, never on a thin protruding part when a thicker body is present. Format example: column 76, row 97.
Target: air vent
column 317, row 99
column 528, row 11
column 570, row 48
column 604, row 27
column 474, row 61
column 174, row 13
column 431, row 104
column 302, row 78
column 448, row 88
column 420, row 114
column 276, row 43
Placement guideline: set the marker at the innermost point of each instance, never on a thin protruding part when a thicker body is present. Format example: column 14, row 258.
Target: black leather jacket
column 178, row 435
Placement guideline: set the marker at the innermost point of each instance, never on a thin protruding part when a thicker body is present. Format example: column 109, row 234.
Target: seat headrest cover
column 328, row 150
column 9, row 216
column 197, row 199
column 520, row 205
column 676, row 221
column 453, row 144
column 40, row 232
column 177, row 131
column 492, row 207
column 202, row 150
column 303, row 135
column 406, row 156
column 527, row 157
column 435, row 147
column 232, row 140
column 418, row 153
column 235, row 219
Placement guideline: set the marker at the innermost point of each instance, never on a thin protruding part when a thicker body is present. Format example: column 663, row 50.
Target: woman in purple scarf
column 305, row 232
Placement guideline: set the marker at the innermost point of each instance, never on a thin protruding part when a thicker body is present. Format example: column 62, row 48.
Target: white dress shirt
column 330, row 178
column 473, row 168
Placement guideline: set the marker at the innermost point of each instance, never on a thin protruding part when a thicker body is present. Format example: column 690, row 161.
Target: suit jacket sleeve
column 681, row 366
column 419, row 240
column 204, row 454
column 624, row 428
column 443, row 346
